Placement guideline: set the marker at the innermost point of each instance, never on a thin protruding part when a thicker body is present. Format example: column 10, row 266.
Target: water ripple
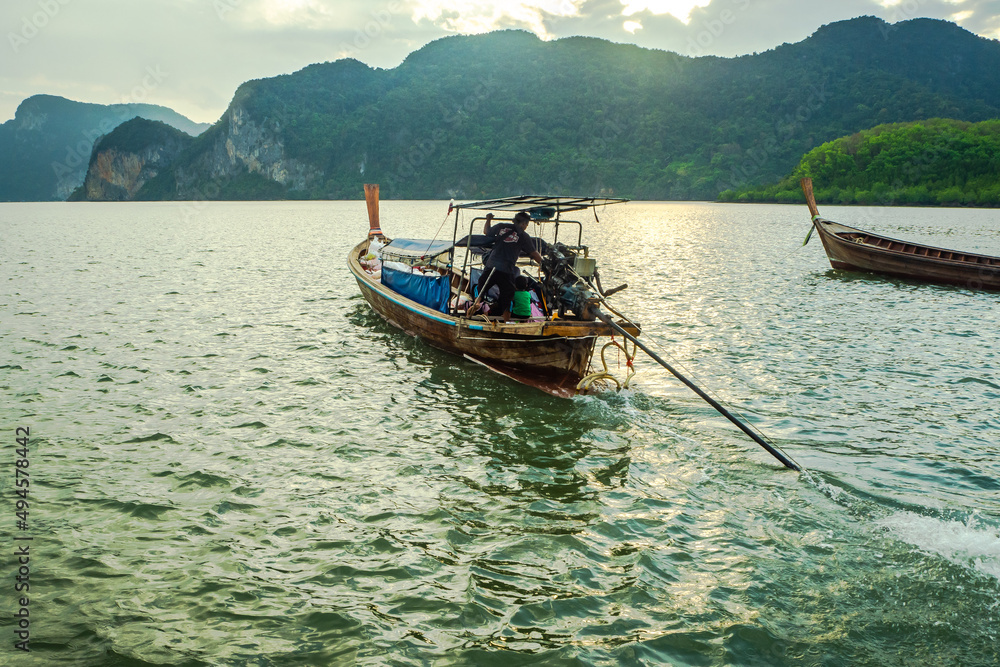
column 236, row 462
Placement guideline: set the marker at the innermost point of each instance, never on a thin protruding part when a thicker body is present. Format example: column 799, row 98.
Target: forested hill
column 936, row 162
column 505, row 113
column 45, row 148
column 123, row 160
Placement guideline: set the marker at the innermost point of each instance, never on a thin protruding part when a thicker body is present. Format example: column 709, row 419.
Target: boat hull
column 858, row 250
column 552, row 355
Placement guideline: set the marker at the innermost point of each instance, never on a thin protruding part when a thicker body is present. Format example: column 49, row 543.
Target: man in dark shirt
column 512, row 240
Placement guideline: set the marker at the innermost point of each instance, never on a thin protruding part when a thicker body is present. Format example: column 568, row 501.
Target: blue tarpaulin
column 429, row 291
column 412, row 249
column 415, row 251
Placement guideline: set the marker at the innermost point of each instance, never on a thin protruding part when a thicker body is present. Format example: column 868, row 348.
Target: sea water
column 232, row 460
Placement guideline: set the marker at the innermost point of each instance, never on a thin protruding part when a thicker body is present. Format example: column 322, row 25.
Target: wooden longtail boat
column 424, row 287
column 858, row 250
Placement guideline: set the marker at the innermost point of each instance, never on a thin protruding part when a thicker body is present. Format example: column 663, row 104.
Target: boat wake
column 615, row 409
column 966, row 543
column 972, row 543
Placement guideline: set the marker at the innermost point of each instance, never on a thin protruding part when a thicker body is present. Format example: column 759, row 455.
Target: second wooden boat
column 857, row 250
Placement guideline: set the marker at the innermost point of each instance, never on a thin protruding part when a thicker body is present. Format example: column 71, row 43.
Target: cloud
column 737, row 27
column 980, row 16
column 100, row 50
column 297, row 13
column 304, row 15
column 693, row 27
column 679, row 9
column 479, row 16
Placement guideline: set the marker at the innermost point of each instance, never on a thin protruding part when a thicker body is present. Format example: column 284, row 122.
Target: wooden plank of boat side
column 569, row 328
column 566, row 328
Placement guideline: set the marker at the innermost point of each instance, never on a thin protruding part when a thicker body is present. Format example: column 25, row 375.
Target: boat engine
column 567, row 281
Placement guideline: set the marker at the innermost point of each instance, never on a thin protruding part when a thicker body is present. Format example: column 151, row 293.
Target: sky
column 191, row 55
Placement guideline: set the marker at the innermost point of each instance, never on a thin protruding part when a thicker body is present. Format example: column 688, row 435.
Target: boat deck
column 916, row 249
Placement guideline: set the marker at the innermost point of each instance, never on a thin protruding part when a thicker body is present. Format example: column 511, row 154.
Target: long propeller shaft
column 771, row 449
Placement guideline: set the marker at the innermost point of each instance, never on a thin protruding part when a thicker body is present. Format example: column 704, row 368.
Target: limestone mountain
column 45, row 148
column 503, row 113
column 124, row 160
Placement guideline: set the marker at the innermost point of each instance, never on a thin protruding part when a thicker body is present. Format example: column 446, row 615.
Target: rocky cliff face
column 242, row 145
column 116, row 175
column 127, row 158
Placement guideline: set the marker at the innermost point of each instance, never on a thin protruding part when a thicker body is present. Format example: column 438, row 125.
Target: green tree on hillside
column 929, row 163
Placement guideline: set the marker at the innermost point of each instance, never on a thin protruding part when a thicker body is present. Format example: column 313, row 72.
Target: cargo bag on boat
column 430, row 291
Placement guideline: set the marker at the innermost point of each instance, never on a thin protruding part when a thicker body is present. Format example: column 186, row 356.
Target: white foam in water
column 834, row 493
column 963, row 543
